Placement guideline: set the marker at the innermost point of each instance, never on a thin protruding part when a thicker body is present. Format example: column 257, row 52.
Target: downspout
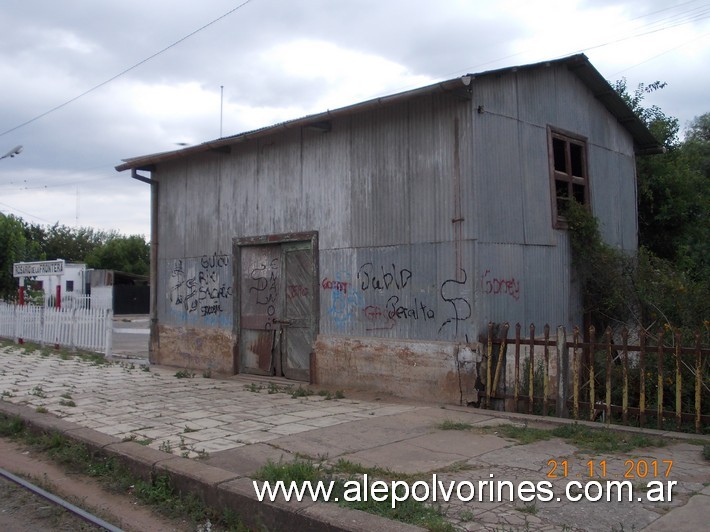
column 154, row 343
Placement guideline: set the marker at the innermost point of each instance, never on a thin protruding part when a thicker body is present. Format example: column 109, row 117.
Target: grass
column 586, row 438
column 159, row 493
column 409, row 511
column 96, row 359
column 448, row 424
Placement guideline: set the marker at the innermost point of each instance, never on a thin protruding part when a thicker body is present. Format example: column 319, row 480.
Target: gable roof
column 579, row 65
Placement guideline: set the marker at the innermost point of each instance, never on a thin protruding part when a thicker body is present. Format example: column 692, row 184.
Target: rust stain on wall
column 262, row 347
column 196, row 349
column 419, row 370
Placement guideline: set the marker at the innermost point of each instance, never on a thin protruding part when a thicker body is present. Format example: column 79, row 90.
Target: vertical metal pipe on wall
column 154, row 339
column 153, row 259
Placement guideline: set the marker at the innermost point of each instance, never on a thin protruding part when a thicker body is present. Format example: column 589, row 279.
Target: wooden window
column 568, row 173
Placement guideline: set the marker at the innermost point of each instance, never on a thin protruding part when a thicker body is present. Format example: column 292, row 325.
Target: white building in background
column 48, row 276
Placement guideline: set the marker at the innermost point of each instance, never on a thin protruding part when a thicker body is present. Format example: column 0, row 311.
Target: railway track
column 59, row 502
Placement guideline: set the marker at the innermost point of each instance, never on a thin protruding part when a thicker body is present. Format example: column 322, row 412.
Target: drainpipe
column 154, row 339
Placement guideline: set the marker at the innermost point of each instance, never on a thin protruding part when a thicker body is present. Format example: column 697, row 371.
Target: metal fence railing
column 652, row 380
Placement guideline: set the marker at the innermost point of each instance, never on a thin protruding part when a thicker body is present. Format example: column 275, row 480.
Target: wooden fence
column 603, row 377
column 89, row 329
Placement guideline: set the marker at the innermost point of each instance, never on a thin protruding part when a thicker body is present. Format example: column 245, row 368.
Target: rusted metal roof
column 644, row 141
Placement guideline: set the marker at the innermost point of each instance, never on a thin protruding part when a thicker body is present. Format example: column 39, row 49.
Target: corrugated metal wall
column 433, row 218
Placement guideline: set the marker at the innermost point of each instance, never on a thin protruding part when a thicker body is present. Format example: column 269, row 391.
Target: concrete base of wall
column 195, row 349
column 429, row 371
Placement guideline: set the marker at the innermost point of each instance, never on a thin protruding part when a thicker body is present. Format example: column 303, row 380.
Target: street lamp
column 14, row 151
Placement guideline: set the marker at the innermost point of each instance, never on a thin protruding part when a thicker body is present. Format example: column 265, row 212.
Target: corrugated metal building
column 369, row 246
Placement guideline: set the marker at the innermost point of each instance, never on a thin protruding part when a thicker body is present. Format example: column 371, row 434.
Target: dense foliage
column 20, row 241
column 667, row 284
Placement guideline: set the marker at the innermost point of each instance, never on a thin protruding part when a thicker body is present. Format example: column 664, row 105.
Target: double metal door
column 276, row 319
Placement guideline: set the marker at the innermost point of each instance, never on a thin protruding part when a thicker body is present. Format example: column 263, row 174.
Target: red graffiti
column 379, row 318
column 296, row 290
column 338, row 286
column 496, row 286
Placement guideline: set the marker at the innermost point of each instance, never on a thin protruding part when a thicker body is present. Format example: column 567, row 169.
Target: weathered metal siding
column 613, row 196
column 523, row 264
column 399, row 292
column 525, row 283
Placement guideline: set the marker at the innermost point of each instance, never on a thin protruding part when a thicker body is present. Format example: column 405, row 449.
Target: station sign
column 43, row 267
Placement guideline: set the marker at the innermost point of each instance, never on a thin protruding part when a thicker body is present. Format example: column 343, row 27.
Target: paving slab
column 231, row 427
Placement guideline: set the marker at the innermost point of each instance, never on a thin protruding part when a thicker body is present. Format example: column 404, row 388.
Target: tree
column 14, row 249
column 127, row 254
column 674, row 187
column 72, row 245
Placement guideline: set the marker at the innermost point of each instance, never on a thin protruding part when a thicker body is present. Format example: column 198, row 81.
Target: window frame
column 567, row 176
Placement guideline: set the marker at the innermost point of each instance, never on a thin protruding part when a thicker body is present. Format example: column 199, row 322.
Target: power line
column 95, row 87
column 672, row 20
column 24, row 212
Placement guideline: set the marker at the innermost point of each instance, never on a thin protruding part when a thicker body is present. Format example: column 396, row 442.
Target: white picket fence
column 89, row 329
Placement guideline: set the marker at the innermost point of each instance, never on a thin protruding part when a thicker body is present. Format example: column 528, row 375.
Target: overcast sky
column 276, row 60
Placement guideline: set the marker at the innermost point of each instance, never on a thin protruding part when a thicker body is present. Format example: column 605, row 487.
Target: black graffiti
column 203, row 292
column 460, row 305
column 266, row 287
column 214, row 261
column 383, row 278
column 418, row 311
column 208, row 310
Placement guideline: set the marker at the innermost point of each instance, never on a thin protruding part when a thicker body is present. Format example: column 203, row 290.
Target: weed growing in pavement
column 67, row 402
column 113, row 475
column 253, row 387
column 448, row 424
column 38, row 391
column 184, row 374
column 134, row 438
column 207, row 374
column 145, row 367
column 189, row 429
column 528, row 509
column 301, row 392
column 41, row 410
column 166, row 447
column 6, row 393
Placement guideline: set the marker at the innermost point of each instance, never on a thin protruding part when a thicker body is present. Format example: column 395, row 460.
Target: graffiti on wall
column 379, row 297
column 203, row 289
column 490, row 284
column 262, row 289
column 460, row 308
column 344, row 301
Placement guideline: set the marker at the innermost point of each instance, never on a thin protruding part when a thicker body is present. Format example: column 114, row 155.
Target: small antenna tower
column 221, row 108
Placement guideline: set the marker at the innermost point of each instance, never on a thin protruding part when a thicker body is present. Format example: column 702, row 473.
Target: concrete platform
column 220, row 431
